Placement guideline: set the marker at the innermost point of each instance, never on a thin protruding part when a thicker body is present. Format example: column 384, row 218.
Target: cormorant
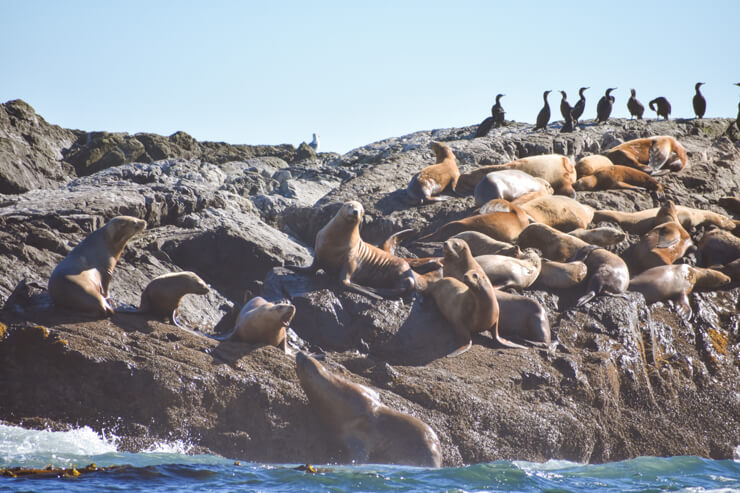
column 314, row 144
column 543, row 117
column 565, row 109
column 484, row 127
column 497, row 111
column 635, row 107
column 604, row 107
column 579, row 106
column 664, row 107
column 700, row 104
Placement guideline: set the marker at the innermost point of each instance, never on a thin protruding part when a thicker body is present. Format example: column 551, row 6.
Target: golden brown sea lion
column 523, row 318
column 560, row 275
column 555, row 169
column 435, row 178
column 340, row 250
column 664, row 244
column 591, row 164
column 554, row 245
column 370, row 431
column 80, row 281
column 513, row 185
column 718, row 247
column 607, row 274
column 261, row 321
column 652, row 154
column 509, row 272
column 504, row 225
column 163, row 294
column 603, row 236
column 675, row 282
column 643, row 221
column 618, row 178
column 562, row 213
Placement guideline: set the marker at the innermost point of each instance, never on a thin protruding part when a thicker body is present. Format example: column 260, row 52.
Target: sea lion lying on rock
column 261, row 321
column 513, row 185
column 370, row 431
column 554, row 244
column 509, row 272
column 643, row 221
column 664, row 244
column 607, row 273
column 504, row 224
column 435, row 178
column 80, row 282
column 651, row 155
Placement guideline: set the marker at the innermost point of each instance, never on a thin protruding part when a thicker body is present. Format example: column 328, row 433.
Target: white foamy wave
column 18, row 445
column 176, row 447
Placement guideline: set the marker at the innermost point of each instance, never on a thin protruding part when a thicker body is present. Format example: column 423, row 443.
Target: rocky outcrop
column 622, row 379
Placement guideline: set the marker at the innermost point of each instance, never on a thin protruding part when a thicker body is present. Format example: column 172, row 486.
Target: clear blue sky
column 274, row 72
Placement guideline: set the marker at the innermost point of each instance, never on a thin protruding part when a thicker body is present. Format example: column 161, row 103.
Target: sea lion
column 675, row 282
column 544, row 115
column 664, row 244
column 163, row 294
column 555, row 169
column 458, row 259
column 504, row 224
column 80, row 281
column 560, row 275
column 562, row 213
column 435, row 178
column 481, row 244
column 718, row 247
column 340, row 250
column 651, row 154
column 554, row 245
column 591, row 164
column 643, row 221
column 510, row 184
column 522, row 318
column 370, row 431
column 663, row 107
column 607, row 273
column 603, row 236
column 732, row 269
column 509, row 272
column 618, row 177
column 261, row 321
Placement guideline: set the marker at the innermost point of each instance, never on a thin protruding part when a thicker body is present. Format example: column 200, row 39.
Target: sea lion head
column 352, row 212
column 666, row 213
column 194, row 283
column 475, row 281
column 285, row 311
column 454, row 248
column 710, row 278
column 441, row 151
column 120, row 229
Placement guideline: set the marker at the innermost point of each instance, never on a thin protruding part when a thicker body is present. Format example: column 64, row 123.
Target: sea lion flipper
column 311, row 269
column 461, row 349
column 361, row 289
column 659, row 153
column 683, row 307
column 395, row 239
column 586, row 298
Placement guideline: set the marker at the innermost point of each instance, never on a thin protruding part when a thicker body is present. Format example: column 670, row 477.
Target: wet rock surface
column 621, row 379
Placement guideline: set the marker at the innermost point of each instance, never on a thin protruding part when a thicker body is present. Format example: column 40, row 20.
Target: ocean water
column 168, row 467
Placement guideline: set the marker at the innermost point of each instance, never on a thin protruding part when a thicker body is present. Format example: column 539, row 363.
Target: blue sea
column 168, row 467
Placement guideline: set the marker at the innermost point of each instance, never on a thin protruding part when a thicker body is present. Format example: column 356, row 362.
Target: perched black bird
column 664, row 107
column 484, row 127
column 635, row 107
column 580, row 105
column 604, row 107
column 497, row 111
column 700, row 104
column 568, row 126
column 543, row 117
column 565, row 109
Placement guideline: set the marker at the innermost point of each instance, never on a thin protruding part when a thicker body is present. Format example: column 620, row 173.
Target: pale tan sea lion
column 163, row 294
column 562, row 213
column 370, row 431
column 361, row 267
column 618, row 177
column 523, row 318
column 80, row 281
column 435, row 178
column 261, row 321
column 603, row 236
column 591, row 164
column 560, row 275
column 513, row 185
column 556, row 169
column 651, row 154
column 505, row 224
column 554, row 245
column 643, row 221
column 509, row 272
column 481, row 244
column 664, row 244
column 675, row 282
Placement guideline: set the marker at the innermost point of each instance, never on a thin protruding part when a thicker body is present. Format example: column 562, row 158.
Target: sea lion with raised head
column 163, row 294
column 369, row 431
column 555, row 169
column 618, row 177
column 261, row 321
column 664, row 244
column 435, row 178
column 80, row 282
column 643, row 221
column 503, row 224
column 675, row 282
column 510, row 272
column 651, row 155
column 513, row 185
column 362, row 267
